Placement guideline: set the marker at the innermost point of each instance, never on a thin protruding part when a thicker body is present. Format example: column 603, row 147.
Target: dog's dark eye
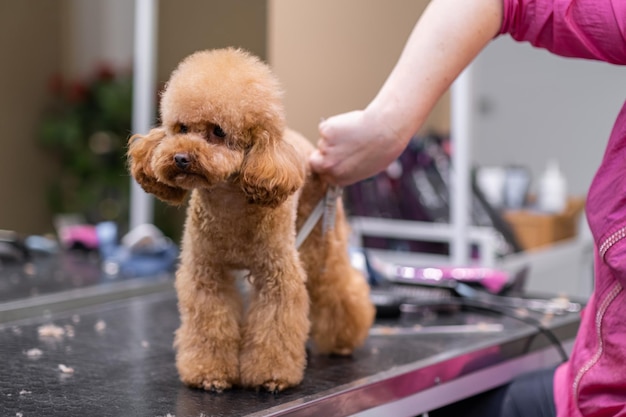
column 217, row 131
column 183, row 129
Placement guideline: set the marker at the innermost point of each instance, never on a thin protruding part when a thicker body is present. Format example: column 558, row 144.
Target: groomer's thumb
column 325, row 128
column 316, row 160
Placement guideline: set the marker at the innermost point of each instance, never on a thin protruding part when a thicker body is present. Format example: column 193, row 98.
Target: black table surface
column 121, row 357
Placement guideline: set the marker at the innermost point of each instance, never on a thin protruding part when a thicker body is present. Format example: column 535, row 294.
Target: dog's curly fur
column 223, row 137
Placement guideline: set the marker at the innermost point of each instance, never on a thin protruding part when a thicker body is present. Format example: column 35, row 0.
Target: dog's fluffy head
column 223, row 122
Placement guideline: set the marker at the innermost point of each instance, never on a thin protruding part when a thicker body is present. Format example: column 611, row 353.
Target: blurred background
column 66, row 83
column 66, row 79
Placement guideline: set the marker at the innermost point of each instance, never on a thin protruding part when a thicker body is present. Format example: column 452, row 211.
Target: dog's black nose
column 182, row 160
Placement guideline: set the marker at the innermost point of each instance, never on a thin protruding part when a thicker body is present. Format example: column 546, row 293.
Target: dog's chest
column 239, row 235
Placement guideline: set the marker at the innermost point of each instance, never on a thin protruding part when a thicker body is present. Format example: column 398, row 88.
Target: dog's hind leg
column 208, row 339
column 341, row 310
column 276, row 327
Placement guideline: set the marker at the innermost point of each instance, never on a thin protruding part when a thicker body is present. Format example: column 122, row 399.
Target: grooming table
column 115, row 350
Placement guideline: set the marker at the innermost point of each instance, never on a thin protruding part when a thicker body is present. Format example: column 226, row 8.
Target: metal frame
column 144, row 102
column 484, row 237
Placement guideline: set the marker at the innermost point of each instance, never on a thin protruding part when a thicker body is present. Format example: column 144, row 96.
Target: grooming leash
column 326, row 209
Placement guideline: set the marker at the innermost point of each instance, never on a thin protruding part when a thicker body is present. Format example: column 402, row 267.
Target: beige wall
column 186, row 26
column 30, row 47
column 334, row 55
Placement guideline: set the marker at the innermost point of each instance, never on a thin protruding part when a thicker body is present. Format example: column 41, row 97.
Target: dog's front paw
column 215, row 381
column 274, row 386
column 216, row 385
column 271, row 384
column 208, row 383
column 211, row 372
column 272, row 376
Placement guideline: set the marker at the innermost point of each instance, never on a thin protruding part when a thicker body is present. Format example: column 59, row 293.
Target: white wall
column 98, row 32
column 532, row 105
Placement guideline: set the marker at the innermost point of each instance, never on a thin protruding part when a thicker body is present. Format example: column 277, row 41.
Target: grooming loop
column 330, row 207
column 326, row 208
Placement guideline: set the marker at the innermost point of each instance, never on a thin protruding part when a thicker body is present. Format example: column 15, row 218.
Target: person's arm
column 448, row 36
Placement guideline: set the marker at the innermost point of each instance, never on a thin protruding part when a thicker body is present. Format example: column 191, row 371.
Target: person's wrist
column 389, row 123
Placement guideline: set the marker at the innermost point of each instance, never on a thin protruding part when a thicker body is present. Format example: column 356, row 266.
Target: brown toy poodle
column 223, row 138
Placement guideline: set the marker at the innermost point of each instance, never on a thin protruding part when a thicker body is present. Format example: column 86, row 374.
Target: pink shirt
column 593, row 382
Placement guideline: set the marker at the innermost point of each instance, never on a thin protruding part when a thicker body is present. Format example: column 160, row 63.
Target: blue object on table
column 143, row 251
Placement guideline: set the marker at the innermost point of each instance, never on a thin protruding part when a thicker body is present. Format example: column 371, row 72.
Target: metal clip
column 330, row 207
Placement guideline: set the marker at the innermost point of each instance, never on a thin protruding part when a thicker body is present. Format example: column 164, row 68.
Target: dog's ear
column 140, row 150
column 271, row 171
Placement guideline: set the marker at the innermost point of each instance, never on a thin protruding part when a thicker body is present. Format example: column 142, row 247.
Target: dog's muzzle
column 182, row 160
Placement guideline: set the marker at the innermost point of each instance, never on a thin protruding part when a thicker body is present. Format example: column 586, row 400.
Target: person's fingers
column 325, row 128
column 322, row 126
column 318, row 165
column 330, row 128
column 322, row 146
column 316, row 160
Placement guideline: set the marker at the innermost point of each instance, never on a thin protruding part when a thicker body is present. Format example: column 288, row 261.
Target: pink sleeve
column 592, row 29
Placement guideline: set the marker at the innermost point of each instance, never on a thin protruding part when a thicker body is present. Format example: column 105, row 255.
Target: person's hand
column 354, row 146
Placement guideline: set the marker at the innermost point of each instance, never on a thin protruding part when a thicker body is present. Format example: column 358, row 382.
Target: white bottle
column 552, row 193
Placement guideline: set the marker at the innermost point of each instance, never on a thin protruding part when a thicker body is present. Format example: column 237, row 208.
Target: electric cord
column 409, row 304
column 531, row 321
column 460, row 295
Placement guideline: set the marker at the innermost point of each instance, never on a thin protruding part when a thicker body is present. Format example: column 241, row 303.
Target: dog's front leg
column 208, row 339
column 273, row 354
